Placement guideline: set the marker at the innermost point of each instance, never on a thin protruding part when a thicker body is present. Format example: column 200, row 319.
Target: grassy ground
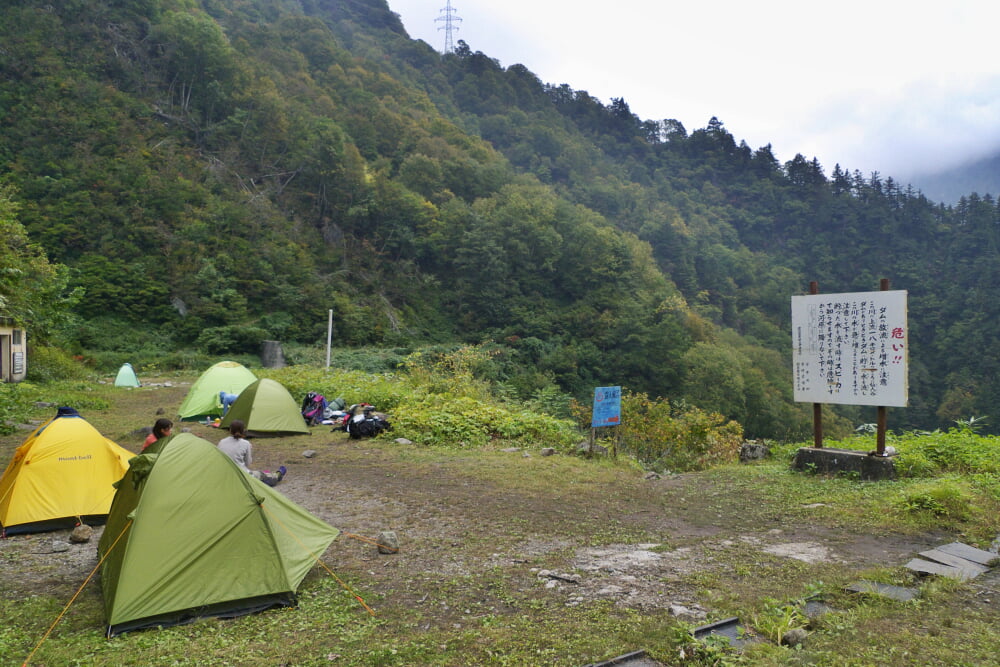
column 513, row 558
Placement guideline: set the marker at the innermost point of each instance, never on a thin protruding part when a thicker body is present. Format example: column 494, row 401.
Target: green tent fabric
column 166, row 561
column 202, row 399
column 126, row 376
column 266, row 407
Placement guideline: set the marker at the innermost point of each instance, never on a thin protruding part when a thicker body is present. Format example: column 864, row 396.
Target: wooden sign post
column 850, row 349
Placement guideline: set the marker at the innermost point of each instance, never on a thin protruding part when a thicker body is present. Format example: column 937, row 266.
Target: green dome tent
column 126, row 376
column 202, row 399
column 166, row 561
column 266, row 407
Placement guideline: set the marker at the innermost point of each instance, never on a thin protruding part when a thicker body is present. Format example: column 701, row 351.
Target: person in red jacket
column 161, row 429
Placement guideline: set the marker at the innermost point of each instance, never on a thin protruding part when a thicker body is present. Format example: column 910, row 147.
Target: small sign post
column 607, row 411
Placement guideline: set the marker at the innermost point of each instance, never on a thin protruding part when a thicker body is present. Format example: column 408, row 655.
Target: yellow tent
column 60, row 476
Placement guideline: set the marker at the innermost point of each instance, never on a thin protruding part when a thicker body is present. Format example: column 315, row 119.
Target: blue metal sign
column 607, row 407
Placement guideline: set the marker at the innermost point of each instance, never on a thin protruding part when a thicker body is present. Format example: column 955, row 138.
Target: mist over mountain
column 980, row 176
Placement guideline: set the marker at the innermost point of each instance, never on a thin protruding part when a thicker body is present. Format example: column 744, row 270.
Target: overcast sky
column 887, row 85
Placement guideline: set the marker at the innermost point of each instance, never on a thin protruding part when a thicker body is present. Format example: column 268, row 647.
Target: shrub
column 16, row 400
column 922, row 454
column 948, row 497
column 430, row 405
column 115, row 334
column 383, row 390
column 679, row 438
column 452, row 370
column 777, row 618
column 231, row 339
column 915, row 464
column 467, row 422
column 48, row 364
column 369, row 360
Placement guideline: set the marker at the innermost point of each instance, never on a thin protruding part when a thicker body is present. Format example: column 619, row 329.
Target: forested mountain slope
column 227, row 170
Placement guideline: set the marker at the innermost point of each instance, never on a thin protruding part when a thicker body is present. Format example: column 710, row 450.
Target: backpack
column 313, row 407
column 366, row 425
column 334, row 409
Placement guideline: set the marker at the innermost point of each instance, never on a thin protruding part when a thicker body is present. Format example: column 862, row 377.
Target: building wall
column 13, row 353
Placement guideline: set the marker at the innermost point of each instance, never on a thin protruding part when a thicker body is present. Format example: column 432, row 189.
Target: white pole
column 329, row 337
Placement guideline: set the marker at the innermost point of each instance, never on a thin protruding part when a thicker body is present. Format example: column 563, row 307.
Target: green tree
column 33, row 292
column 201, row 64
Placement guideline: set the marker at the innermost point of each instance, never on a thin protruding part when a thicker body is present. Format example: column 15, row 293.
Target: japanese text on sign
column 607, row 407
column 850, row 348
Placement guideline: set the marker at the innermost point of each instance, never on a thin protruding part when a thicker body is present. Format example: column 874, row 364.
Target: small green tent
column 167, row 561
column 202, row 399
column 126, row 376
column 266, row 407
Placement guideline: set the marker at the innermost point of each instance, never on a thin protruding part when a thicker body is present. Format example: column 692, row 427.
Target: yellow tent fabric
column 62, row 474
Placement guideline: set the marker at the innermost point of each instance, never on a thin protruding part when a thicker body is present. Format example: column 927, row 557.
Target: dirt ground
column 454, row 521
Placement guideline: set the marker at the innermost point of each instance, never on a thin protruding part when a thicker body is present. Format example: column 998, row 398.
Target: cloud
column 922, row 126
column 885, row 86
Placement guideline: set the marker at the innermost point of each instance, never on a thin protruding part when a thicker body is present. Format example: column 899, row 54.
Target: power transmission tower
column 449, row 26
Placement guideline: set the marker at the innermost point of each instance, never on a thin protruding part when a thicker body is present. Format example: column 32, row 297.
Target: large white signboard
column 850, row 348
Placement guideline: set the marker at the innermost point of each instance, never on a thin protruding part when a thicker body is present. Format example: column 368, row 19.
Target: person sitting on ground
column 161, row 429
column 238, row 448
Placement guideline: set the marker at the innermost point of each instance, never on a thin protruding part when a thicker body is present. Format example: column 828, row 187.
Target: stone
column 271, row 354
column 403, row 441
column 679, row 610
column 922, row 566
column 969, row 568
column 753, row 450
column 794, row 637
column 548, row 451
column 899, row 593
column 58, row 546
column 813, row 609
column 973, row 554
column 388, row 542
column 81, row 534
column 309, row 453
